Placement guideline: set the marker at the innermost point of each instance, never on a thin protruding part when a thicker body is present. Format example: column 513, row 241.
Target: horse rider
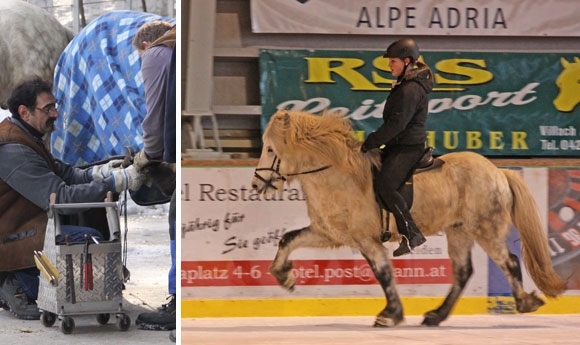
column 402, row 137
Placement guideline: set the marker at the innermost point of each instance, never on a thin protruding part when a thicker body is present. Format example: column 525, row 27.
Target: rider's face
column 397, row 66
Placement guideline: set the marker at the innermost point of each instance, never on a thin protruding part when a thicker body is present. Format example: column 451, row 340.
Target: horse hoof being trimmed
column 388, row 321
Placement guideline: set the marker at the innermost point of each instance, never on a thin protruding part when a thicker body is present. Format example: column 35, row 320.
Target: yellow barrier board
column 356, row 306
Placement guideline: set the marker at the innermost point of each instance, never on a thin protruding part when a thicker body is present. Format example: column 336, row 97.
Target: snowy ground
column 3, row 114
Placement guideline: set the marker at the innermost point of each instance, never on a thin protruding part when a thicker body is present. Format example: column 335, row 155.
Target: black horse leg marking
column 525, row 302
column 281, row 267
column 392, row 315
column 510, row 266
column 462, row 271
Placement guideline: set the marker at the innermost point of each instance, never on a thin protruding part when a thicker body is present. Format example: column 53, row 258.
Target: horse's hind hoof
column 432, row 319
column 530, row 303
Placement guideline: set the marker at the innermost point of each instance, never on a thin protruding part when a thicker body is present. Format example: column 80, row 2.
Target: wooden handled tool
column 88, row 267
column 70, row 279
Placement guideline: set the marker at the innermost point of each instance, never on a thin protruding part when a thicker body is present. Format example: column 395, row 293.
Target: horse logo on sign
column 569, row 95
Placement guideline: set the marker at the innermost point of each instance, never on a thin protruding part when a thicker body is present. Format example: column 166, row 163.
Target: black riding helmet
column 403, row 48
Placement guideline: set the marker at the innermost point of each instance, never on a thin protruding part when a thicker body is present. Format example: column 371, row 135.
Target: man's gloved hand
column 127, row 178
column 102, row 171
column 141, row 160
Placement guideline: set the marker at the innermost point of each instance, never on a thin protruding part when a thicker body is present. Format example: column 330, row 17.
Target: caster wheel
column 103, row 319
column 123, row 322
column 47, row 318
column 67, row 325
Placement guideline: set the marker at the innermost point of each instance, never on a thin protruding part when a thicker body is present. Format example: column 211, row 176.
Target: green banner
column 496, row 104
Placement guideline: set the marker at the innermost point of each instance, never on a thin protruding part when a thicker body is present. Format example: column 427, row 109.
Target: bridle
column 277, row 176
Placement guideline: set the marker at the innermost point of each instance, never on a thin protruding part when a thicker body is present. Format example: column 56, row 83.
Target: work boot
column 15, row 300
column 169, row 306
column 4, row 305
column 161, row 320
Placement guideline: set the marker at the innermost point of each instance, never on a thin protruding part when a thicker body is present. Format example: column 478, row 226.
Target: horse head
column 569, row 86
column 267, row 177
column 299, row 143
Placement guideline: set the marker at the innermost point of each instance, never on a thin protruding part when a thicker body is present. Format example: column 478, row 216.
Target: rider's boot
column 411, row 236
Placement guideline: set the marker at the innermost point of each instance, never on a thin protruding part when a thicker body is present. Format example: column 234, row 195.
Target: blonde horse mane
column 303, row 140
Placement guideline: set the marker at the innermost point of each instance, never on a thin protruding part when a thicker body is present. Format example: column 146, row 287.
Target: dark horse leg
column 374, row 253
column 281, row 267
column 510, row 265
column 378, row 260
column 460, row 254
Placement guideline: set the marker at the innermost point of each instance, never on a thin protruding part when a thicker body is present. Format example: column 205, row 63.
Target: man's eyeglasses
column 51, row 108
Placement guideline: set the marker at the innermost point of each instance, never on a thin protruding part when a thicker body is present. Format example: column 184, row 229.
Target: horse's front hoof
column 432, row 319
column 289, row 283
column 386, row 321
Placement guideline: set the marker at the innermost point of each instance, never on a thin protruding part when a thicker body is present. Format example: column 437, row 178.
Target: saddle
column 425, row 163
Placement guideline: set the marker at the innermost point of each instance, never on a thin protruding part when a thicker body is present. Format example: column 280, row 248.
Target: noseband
column 277, row 176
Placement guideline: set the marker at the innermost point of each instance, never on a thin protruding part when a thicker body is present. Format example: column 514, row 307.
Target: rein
column 276, row 175
column 310, row 171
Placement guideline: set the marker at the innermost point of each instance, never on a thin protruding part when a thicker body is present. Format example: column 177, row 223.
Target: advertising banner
column 496, row 104
column 417, row 17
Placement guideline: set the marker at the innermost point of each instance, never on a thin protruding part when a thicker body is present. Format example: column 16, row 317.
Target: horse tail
column 535, row 250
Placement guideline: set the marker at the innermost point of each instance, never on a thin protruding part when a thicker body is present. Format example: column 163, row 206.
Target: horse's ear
column 564, row 62
column 286, row 119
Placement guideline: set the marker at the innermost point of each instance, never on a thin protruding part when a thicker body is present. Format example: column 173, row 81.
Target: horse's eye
column 270, row 150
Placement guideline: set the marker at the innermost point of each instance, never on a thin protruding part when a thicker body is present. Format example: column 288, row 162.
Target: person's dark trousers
column 172, row 220
column 398, row 162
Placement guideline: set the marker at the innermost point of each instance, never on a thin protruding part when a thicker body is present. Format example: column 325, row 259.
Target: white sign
column 418, row 17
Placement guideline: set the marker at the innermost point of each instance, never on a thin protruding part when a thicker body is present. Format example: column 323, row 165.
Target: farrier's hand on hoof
column 127, row 178
column 142, row 160
column 102, row 171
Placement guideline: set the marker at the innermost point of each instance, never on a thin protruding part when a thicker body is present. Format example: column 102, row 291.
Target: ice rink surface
column 497, row 329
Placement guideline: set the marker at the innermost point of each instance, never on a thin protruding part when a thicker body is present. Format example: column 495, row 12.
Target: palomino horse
column 468, row 198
